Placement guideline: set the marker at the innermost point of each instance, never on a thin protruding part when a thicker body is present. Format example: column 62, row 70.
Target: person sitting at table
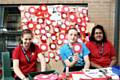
column 102, row 51
column 25, row 56
column 75, row 61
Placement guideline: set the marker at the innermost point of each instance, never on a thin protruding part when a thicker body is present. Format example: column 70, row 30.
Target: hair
column 32, row 45
column 26, row 31
column 78, row 33
column 93, row 33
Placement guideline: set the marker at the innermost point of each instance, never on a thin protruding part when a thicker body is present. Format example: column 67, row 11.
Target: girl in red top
column 102, row 51
column 25, row 56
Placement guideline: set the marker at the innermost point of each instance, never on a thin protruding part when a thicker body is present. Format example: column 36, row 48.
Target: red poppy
column 27, row 14
column 51, row 54
column 57, row 58
column 43, row 8
column 42, row 31
column 43, row 38
column 38, row 26
column 40, row 20
column 31, row 25
column 61, row 36
column 37, row 31
column 53, row 37
column 72, row 17
column 53, row 46
column 65, row 9
column 24, row 27
column 44, row 47
column 32, row 10
column 64, row 15
column 59, row 42
column 47, row 59
column 77, row 47
column 21, row 8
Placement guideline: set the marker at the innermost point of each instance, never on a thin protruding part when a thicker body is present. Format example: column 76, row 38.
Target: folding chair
column 6, row 66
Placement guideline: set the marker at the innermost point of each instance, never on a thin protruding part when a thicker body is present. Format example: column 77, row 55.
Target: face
column 72, row 36
column 98, row 35
column 26, row 39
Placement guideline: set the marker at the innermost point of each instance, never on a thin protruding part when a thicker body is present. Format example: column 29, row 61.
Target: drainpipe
column 117, row 25
column 1, row 16
column 1, row 27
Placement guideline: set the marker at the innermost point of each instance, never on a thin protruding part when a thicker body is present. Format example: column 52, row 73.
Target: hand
column 38, row 60
column 25, row 79
column 85, row 70
column 75, row 57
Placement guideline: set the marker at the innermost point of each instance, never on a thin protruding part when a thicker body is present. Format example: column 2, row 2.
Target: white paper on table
column 80, row 76
column 95, row 73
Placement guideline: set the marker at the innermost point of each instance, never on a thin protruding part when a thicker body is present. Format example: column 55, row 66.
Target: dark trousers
column 91, row 67
column 17, row 78
column 74, row 68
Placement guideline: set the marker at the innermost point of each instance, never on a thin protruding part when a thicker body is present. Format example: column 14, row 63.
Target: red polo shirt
column 26, row 67
column 104, row 59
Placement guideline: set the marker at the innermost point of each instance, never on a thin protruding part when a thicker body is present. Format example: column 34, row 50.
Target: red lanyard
column 100, row 49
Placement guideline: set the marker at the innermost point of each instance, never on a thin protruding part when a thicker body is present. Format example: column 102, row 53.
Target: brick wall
column 100, row 11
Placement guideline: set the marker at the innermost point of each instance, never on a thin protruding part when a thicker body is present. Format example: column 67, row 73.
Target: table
column 92, row 74
column 89, row 74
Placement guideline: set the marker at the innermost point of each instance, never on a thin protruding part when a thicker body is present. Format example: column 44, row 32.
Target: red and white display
column 50, row 23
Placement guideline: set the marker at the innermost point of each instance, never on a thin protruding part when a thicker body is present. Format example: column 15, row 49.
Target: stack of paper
column 80, row 77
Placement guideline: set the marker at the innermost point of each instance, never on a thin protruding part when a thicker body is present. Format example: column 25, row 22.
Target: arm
column 70, row 64
column 113, row 56
column 95, row 65
column 42, row 62
column 113, row 62
column 87, row 62
column 17, row 70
